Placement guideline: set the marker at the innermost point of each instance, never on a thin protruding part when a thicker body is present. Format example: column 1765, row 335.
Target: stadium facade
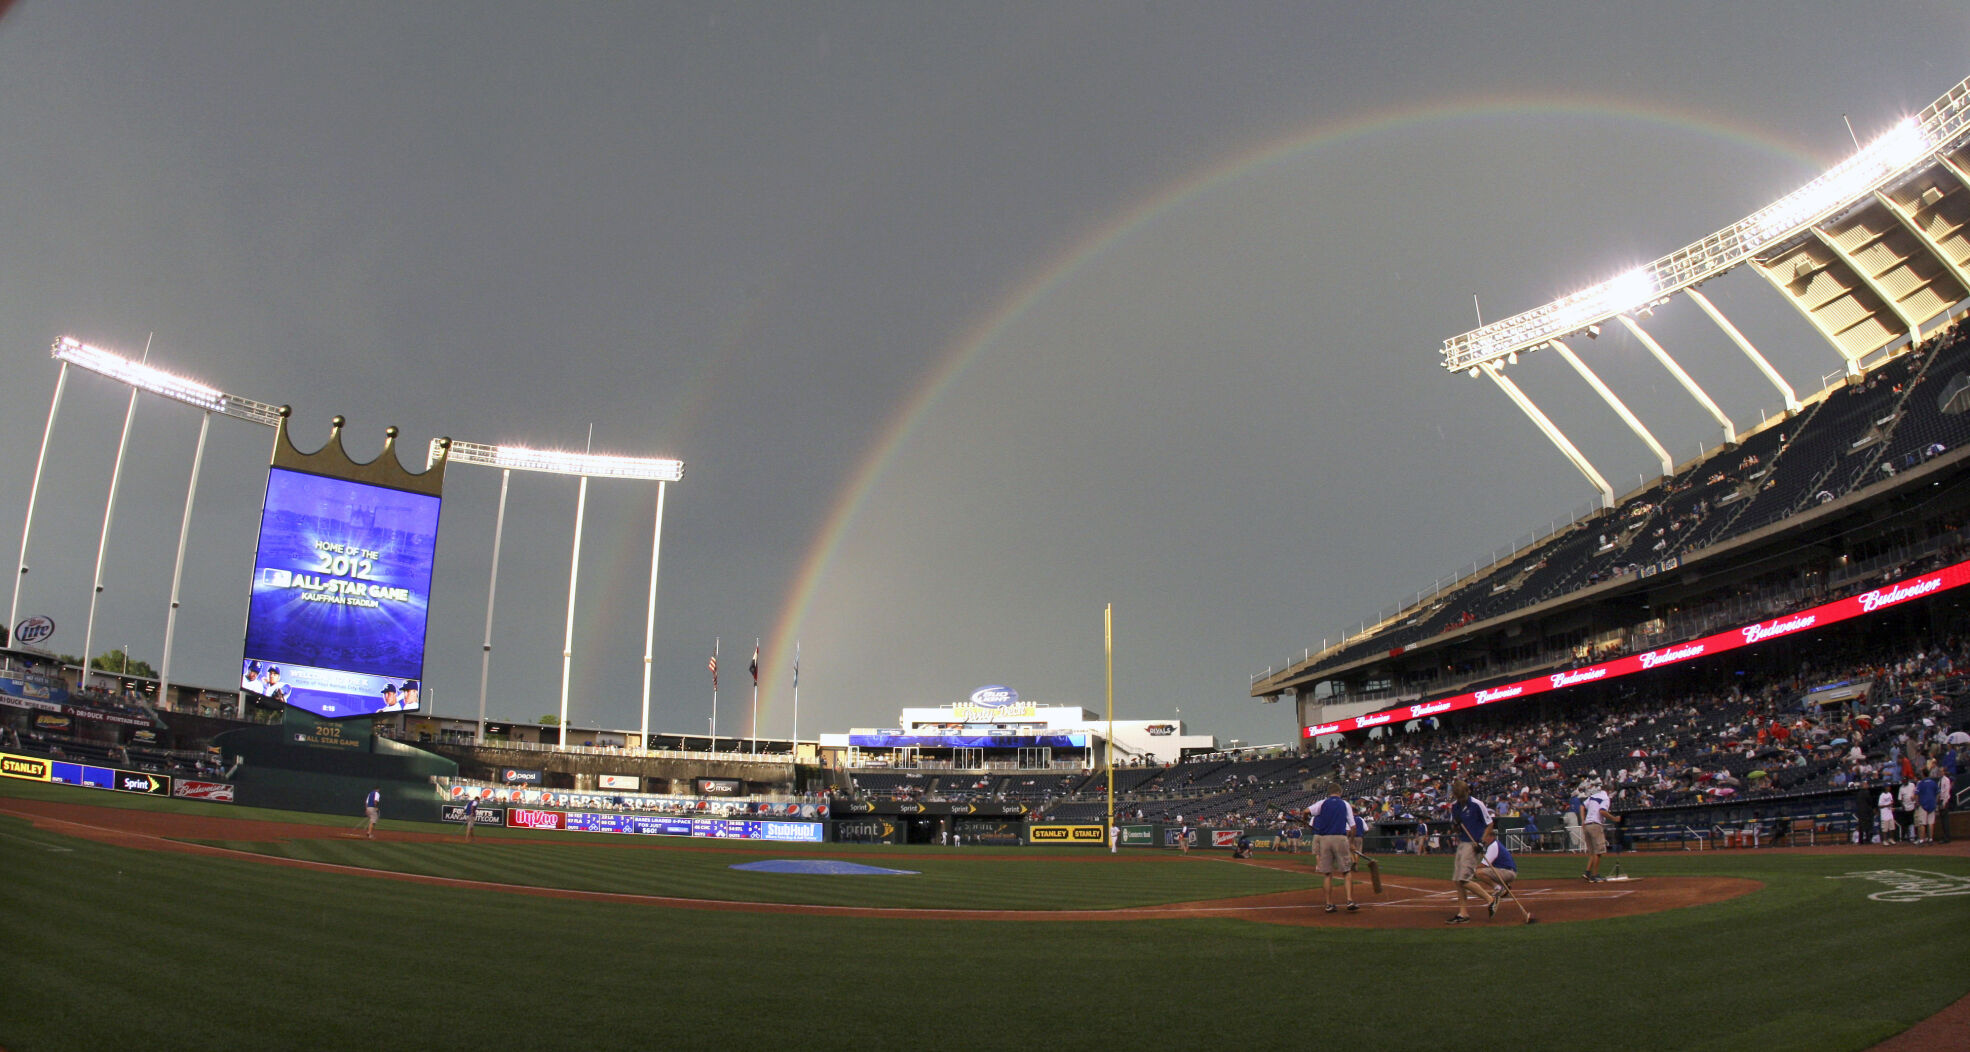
column 1853, row 487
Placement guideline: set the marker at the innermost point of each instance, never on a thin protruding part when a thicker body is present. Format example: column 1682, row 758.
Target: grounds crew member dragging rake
column 1333, row 845
column 1481, row 856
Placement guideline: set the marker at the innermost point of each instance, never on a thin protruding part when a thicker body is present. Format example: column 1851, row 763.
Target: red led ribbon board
column 1790, row 624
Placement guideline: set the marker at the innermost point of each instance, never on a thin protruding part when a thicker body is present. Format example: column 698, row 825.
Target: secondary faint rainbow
column 1092, row 245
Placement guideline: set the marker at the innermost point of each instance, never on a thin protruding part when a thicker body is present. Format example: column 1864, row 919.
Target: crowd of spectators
column 1769, row 737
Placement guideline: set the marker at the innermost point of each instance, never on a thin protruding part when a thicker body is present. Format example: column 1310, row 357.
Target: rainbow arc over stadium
column 1109, row 237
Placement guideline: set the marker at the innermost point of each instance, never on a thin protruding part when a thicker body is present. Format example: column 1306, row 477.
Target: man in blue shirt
column 1470, row 825
column 1925, row 807
column 1500, row 868
column 372, row 804
column 1333, row 855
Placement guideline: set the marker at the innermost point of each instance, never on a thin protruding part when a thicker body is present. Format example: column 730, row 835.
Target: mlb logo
column 275, row 578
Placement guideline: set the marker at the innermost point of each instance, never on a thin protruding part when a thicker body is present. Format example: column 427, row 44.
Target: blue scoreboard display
column 341, row 591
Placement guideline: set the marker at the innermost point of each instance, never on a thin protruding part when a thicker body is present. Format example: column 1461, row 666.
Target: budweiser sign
column 1679, row 653
column 1783, row 626
column 1880, row 597
column 1583, row 675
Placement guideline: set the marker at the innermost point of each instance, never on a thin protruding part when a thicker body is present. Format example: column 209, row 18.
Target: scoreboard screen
column 341, row 591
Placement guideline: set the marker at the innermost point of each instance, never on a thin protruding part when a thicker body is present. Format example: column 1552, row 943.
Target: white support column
column 102, row 544
column 1784, row 389
column 650, row 616
column 492, row 589
column 1621, row 410
column 33, row 491
column 568, row 640
column 1675, row 370
column 178, row 567
column 1914, row 330
column 1552, row 433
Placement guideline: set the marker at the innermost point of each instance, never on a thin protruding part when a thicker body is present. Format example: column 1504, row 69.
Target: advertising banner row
column 91, row 776
column 644, row 825
column 1722, row 642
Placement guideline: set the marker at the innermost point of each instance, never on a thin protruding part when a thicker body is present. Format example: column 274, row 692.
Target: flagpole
column 755, row 695
column 713, row 746
column 796, row 699
column 1108, row 648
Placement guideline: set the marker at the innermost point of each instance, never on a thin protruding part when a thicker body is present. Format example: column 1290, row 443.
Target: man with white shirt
column 1594, row 814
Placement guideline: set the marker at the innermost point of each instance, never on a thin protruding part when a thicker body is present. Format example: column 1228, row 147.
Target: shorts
column 370, row 812
column 1596, row 838
column 1501, row 874
column 1925, row 817
column 1465, row 866
column 1331, row 855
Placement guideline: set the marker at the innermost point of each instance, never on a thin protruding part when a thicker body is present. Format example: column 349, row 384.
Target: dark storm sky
column 968, row 318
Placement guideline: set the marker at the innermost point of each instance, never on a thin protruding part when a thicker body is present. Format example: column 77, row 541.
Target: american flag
column 755, row 662
column 714, row 670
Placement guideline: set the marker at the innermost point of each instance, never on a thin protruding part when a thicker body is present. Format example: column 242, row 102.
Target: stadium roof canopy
column 1871, row 251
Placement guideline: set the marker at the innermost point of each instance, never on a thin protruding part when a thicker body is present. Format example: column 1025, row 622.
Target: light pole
column 140, row 376
column 584, row 466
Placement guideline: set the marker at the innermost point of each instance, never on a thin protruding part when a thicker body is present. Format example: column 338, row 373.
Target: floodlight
column 139, row 375
column 558, row 462
column 144, row 377
column 1942, row 126
column 1903, row 145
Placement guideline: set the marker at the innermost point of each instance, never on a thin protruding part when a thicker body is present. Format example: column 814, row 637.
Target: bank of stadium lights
column 587, row 465
column 156, row 381
column 508, row 459
column 1942, row 125
column 1903, row 145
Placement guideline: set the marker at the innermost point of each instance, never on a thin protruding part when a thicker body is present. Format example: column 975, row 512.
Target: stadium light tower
column 139, row 377
column 509, row 459
column 1867, row 252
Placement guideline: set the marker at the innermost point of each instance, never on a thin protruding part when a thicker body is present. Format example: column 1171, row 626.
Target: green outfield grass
column 110, row 947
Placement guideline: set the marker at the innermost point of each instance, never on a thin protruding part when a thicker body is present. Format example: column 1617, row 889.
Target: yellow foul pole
column 1108, row 645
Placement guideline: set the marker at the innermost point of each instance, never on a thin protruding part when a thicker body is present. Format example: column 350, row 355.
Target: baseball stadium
column 1698, row 745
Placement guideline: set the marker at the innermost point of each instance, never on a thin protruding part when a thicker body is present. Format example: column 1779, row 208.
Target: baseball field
column 145, row 923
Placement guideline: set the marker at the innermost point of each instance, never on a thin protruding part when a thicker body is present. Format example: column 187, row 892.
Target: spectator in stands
column 1945, row 785
column 1906, row 798
column 1925, row 807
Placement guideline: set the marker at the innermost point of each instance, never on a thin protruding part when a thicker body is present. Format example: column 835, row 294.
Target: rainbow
column 1105, row 238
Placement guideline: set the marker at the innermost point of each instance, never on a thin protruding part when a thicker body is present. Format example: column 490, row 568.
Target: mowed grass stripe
column 161, row 951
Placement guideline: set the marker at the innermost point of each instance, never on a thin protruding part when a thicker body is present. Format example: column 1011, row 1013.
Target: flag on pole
column 796, row 666
column 755, row 662
column 714, row 669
